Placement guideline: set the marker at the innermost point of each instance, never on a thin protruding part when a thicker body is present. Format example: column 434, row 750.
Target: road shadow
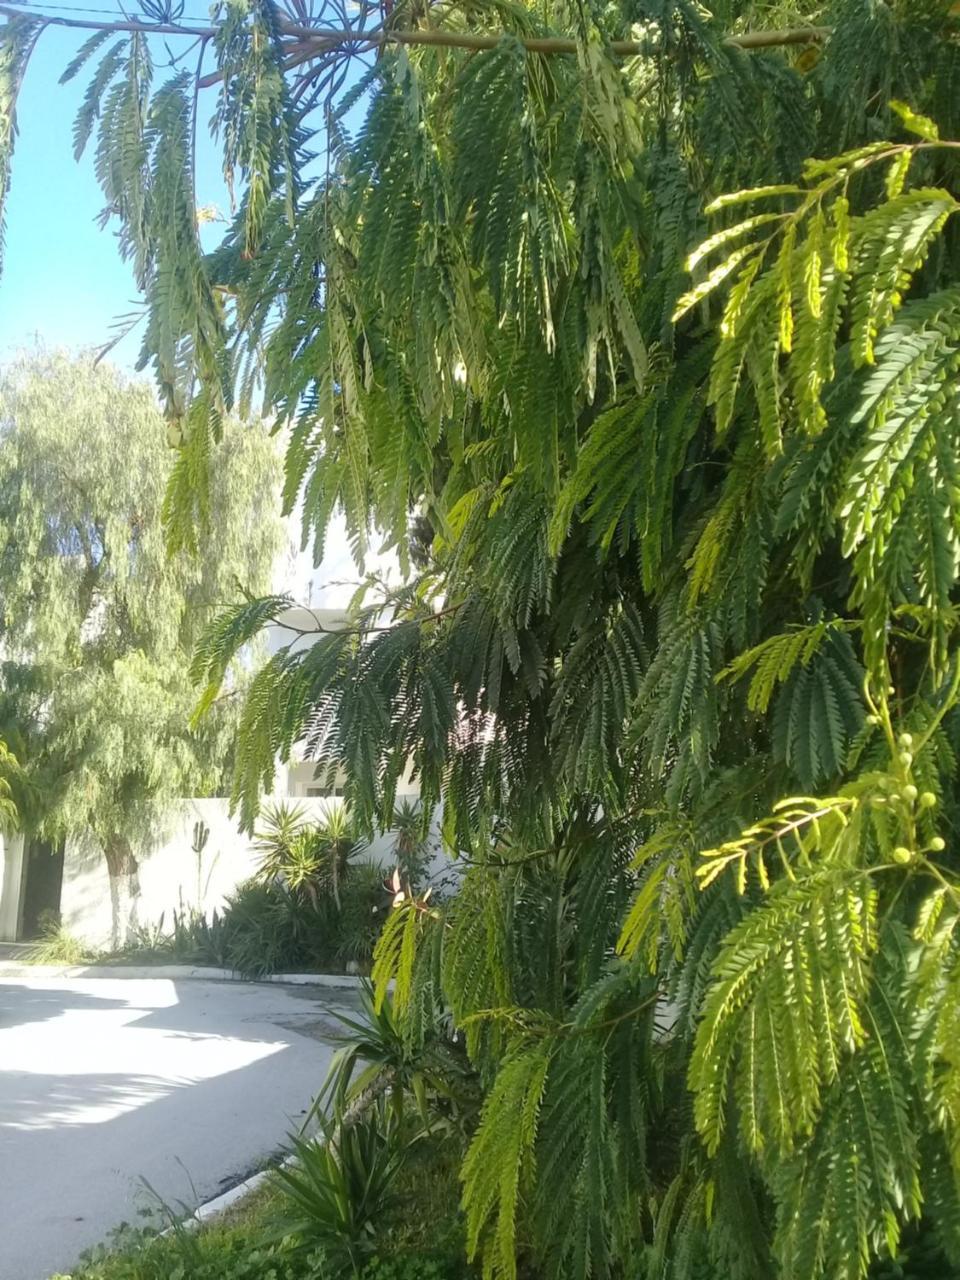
column 218, row 1081
column 33, row 1101
column 21, row 1004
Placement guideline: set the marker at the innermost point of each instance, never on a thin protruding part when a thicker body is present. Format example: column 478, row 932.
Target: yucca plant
column 411, row 844
column 341, row 1184
column 337, row 842
column 284, row 845
column 310, row 858
column 375, row 1057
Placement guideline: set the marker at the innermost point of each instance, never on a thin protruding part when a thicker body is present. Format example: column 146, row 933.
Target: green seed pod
column 871, row 719
column 906, row 759
column 906, row 740
column 927, row 800
column 910, row 792
column 938, row 844
column 902, row 855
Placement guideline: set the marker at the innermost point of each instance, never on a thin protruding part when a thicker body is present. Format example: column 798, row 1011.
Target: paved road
column 106, row 1082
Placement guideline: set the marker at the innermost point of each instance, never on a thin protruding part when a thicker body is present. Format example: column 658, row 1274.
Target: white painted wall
column 12, row 884
column 169, row 877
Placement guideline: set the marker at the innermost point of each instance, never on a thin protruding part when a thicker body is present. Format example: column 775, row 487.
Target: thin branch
column 363, row 41
column 537, row 44
column 358, row 629
column 774, row 39
column 87, row 24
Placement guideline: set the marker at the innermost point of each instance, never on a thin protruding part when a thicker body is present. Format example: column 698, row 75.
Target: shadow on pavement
column 21, row 1004
column 188, row 1090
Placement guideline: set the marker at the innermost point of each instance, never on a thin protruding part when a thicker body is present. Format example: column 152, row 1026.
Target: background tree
column 98, row 622
column 9, row 776
column 685, row 456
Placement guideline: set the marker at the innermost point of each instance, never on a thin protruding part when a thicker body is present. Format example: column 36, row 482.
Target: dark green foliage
column 266, row 929
column 411, row 1267
column 920, row 1258
column 677, row 404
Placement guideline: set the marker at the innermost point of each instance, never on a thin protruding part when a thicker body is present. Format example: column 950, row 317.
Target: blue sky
column 64, row 283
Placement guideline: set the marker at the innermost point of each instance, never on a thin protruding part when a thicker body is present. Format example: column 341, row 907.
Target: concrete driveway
column 105, row 1083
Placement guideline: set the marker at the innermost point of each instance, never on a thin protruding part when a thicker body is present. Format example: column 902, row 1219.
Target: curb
column 211, row 1209
column 178, row 972
column 221, row 1203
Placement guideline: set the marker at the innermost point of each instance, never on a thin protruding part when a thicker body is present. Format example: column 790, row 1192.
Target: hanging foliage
column 660, row 415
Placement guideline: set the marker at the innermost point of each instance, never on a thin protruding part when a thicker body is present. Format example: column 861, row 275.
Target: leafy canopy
column 662, row 416
column 97, row 622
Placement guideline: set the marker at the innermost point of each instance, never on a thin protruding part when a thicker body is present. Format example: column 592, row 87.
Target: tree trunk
column 124, row 889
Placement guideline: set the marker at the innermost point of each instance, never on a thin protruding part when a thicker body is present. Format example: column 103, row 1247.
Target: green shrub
column 57, row 946
column 197, row 940
column 920, row 1257
column 343, row 1184
column 200, row 1255
column 264, row 930
column 411, row 847
column 364, row 902
column 411, row 1266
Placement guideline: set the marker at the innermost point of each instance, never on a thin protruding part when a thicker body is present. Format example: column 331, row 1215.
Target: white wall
column 12, row 883
column 169, row 877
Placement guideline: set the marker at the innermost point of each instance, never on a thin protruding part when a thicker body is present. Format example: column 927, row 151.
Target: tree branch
column 536, row 44
column 331, row 37
column 88, row 24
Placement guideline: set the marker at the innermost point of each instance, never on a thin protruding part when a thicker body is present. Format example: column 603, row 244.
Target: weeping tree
column 9, row 777
column 634, row 329
column 97, row 622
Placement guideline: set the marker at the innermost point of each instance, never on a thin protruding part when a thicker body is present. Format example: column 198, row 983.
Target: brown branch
column 773, row 39
column 87, row 24
column 328, row 38
column 536, row 44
